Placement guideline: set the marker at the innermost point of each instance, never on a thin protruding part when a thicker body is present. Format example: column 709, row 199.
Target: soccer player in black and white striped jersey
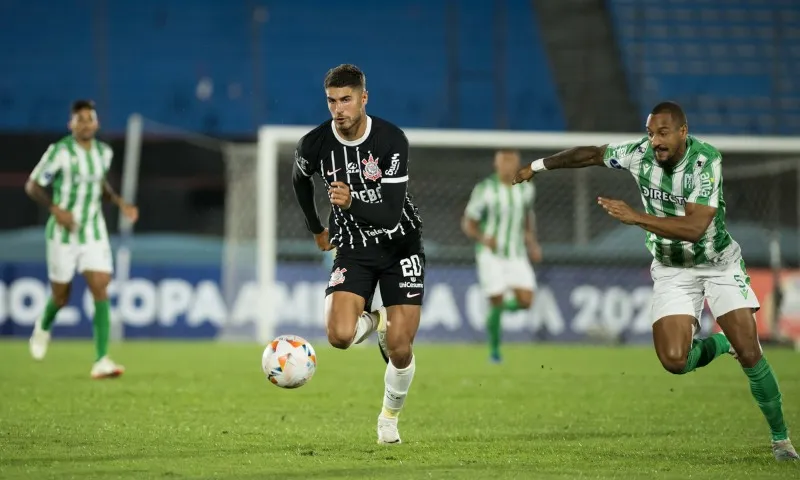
column 375, row 228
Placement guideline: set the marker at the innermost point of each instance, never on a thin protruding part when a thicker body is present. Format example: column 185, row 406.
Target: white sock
column 366, row 324
column 397, row 384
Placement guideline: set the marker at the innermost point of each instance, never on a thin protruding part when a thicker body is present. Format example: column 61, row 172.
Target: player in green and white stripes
column 76, row 235
column 694, row 257
column 500, row 220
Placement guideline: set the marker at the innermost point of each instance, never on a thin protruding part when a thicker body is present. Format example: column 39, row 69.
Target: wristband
column 538, row 165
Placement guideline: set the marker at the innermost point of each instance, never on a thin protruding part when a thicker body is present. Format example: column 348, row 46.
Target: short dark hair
column 345, row 75
column 79, row 105
column 675, row 111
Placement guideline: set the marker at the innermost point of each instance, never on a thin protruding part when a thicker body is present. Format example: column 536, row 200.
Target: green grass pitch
column 204, row 410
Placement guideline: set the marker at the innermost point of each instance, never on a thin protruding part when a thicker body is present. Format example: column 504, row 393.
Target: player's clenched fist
column 523, row 175
column 339, row 193
column 322, row 240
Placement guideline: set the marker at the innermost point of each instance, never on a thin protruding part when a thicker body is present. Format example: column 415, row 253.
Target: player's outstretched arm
column 576, row 157
column 304, row 193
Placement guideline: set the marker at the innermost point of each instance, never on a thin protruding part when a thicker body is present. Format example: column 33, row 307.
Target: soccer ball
column 289, row 361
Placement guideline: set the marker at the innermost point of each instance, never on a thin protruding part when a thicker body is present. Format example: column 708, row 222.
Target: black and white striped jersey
column 375, row 167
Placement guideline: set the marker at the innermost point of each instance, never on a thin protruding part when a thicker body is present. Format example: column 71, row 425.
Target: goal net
column 593, row 282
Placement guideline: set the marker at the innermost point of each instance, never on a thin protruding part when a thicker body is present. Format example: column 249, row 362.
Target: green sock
column 49, row 315
column 493, row 328
column 511, row 305
column 764, row 387
column 102, row 317
column 705, row 350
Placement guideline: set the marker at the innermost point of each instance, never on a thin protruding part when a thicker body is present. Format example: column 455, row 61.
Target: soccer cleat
column 784, row 451
column 383, row 325
column 38, row 343
column 387, row 430
column 106, row 368
column 495, row 358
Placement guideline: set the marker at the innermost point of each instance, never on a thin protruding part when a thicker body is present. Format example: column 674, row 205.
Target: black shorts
column 399, row 267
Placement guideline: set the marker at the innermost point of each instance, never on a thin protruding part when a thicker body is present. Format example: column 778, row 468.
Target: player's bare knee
column 60, row 294
column 401, row 356
column 525, row 301
column 339, row 337
column 673, row 360
column 61, row 299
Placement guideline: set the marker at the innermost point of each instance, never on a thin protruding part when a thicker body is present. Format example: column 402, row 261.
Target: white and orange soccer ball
column 289, row 361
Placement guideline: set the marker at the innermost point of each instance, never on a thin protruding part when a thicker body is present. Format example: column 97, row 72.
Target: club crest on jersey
column 337, row 277
column 371, row 169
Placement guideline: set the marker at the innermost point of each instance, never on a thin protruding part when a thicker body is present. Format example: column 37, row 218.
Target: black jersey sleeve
column 303, row 185
column 394, row 159
column 394, row 182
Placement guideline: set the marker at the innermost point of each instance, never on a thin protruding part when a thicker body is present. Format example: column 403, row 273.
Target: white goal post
column 272, row 137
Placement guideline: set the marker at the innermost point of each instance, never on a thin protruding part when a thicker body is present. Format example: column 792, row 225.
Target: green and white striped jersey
column 697, row 178
column 501, row 211
column 77, row 176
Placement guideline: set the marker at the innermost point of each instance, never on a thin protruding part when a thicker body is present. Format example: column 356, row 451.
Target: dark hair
column 345, row 75
column 79, row 105
column 675, row 111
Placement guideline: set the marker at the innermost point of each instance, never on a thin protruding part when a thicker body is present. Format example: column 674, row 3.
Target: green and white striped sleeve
column 50, row 165
column 476, row 207
column 706, row 183
column 623, row 154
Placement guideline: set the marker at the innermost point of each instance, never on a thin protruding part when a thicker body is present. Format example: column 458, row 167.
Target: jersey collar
column 357, row 141
column 689, row 144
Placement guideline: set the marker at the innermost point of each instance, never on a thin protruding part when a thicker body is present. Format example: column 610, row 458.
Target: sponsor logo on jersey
column 301, row 162
column 337, row 277
column 615, row 164
column 371, row 169
column 395, row 164
column 655, row 194
column 369, row 195
column 688, row 182
column 706, row 184
column 352, row 168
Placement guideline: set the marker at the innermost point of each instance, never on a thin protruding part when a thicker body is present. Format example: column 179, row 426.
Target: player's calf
column 740, row 328
column 403, row 324
column 40, row 336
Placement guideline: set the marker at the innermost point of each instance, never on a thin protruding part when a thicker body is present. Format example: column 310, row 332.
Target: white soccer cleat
column 387, row 430
column 106, row 368
column 383, row 325
column 38, row 343
column 784, row 451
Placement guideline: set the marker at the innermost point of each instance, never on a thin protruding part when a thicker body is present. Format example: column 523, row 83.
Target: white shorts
column 498, row 275
column 64, row 259
column 682, row 291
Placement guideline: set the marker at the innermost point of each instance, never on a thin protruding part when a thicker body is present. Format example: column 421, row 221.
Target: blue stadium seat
column 227, row 67
column 733, row 64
